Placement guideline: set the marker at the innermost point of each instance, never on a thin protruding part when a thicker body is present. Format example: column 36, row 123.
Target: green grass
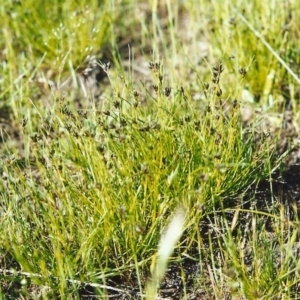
column 90, row 184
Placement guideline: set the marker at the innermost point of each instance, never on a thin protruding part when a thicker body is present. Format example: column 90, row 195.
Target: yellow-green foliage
column 89, row 181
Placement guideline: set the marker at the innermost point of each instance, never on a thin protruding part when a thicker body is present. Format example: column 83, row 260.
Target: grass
column 106, row 181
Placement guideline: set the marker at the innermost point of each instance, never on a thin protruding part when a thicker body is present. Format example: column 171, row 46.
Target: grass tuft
column 141, row 149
